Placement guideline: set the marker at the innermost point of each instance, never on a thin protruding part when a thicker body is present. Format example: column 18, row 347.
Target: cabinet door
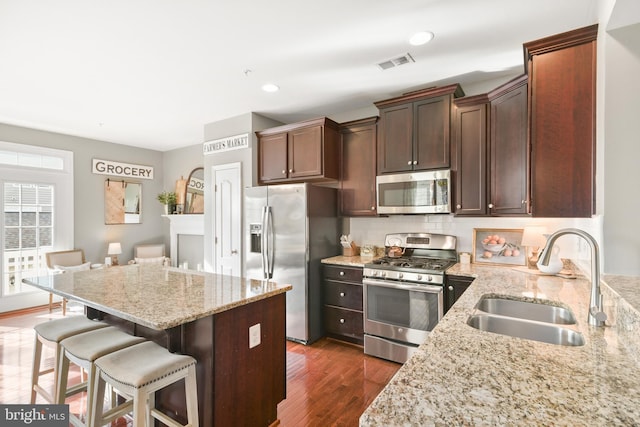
column 273, row 157
column 456, row 286
column 431, row 123
column 395, row 140
column 562, row 76
column 471, row 148
column 358, row 170
column 305, row 152
column 508, row 154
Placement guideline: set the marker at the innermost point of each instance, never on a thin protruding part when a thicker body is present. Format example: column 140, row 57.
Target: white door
column 228, row 219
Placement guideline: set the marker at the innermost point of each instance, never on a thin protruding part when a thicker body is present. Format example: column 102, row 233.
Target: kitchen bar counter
column 154, row 296
column 207, row 316
column 463, row 376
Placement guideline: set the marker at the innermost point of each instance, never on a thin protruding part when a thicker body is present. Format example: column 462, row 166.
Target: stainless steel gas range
column 403, row 293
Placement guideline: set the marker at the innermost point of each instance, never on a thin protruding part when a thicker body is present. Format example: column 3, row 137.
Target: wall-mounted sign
column 226, row 144
column 107, row 167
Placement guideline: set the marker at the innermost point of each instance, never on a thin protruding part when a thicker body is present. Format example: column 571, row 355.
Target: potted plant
column 168, row 199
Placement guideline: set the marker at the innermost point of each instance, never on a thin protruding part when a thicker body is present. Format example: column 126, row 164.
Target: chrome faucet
column 596, row 312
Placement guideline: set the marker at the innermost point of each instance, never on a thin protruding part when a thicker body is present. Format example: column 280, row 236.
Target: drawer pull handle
column 342, row 273
column 341, row 294
column 341, row 320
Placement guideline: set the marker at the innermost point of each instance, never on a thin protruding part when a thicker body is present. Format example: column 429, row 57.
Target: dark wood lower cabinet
column 237, row 385
column 454, row 288
column 342, row 293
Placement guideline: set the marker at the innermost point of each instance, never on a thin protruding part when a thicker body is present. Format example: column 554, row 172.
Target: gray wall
column 178, row 164
column 91, row 234
column 246, row 123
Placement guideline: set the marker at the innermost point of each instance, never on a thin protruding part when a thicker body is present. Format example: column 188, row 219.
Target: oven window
column 399, row 307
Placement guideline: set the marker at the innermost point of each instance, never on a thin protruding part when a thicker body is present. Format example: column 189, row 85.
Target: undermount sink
column 527, row 329
column 527, row 310
column 533, row 320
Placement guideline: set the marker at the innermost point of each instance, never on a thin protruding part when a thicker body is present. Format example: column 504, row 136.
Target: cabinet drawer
column 343, row 294
column 347, row 274
column 344, row 323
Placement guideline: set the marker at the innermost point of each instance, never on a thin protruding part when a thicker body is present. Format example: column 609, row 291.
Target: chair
column 150, row 254
column 83, row 350
column 51, row 334
column 136, row 373
column 60, row 261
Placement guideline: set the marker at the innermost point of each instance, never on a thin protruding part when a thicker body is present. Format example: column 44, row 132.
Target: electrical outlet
column 254, row 335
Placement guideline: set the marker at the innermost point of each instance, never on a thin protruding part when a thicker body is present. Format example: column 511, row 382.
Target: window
column 36, row 184
column 28, row 232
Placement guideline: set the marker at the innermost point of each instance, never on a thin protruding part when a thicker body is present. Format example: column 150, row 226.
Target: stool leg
column 50, row 302
column 191, row 392
column 60, row 392
column 64, row 307
column 35, row 373
column 91, row 390
column 151, row 405
column 141, row 410
column 96, row 405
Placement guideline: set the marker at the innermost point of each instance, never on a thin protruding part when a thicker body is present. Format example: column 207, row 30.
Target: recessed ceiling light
column 421, row 38
column 270, row 87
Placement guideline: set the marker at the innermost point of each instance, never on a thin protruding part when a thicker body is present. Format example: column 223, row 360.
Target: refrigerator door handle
column 263, row 242
column 270, row 243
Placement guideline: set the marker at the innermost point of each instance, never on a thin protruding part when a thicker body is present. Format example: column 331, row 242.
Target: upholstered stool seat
column 83, row 349
column 137, row 372
column 51, row 333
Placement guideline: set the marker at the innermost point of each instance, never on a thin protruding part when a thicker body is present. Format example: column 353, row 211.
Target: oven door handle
column 431, row 289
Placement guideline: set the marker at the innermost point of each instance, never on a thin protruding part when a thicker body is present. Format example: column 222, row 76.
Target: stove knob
column 383, row 274
column 419, row 276
column 400, row 275
column 429, row 279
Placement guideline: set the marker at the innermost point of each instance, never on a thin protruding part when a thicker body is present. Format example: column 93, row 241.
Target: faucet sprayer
column 596, row 316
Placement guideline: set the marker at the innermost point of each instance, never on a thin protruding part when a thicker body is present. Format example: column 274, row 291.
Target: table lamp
column 533, row 238
column 114, row 250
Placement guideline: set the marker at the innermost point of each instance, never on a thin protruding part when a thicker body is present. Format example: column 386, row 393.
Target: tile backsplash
column 373, row 230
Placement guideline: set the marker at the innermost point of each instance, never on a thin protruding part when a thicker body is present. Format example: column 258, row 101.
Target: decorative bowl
column 493, row 248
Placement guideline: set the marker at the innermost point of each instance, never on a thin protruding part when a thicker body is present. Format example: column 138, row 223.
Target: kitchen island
column 464, row 376
column 205, row 315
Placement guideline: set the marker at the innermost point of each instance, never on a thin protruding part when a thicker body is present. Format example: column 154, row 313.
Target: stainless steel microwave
column 423, row 192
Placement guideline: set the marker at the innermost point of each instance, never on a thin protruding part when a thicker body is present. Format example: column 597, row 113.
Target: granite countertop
column 353, row 261
column 154, row 296
column 463, row 376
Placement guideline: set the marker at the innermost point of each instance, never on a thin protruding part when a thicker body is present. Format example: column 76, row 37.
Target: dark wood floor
column 329, row 383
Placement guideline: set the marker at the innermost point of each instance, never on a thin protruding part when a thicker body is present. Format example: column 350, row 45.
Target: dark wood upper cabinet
column 306, row 151
column 358, row 167
column 491, row 167
column 509, row 149
column 414, row 130
column 471, row 150
column 562, row 97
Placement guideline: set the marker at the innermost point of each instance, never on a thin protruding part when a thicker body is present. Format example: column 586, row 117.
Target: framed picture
column 498, row 246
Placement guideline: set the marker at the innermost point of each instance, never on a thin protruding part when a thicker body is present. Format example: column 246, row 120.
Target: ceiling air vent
column 396, row 62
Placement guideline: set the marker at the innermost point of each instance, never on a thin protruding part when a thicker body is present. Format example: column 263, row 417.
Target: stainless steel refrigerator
column 288, row 229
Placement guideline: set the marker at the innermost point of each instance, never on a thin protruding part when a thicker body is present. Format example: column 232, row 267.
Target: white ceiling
column 151, row 73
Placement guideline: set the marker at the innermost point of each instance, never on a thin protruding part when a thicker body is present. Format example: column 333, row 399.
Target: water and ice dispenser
column 255, row 230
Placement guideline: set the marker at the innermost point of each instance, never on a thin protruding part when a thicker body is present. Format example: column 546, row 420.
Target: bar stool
column 137, row 372
column 83, row 349
column 51, row 333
